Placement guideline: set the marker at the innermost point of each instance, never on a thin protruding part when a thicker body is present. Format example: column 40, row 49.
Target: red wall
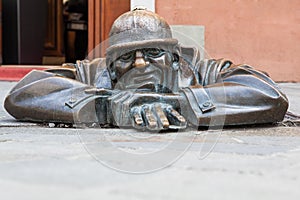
column 262, row 33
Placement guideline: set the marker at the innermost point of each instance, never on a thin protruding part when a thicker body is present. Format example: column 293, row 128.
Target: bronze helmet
column 139, row 28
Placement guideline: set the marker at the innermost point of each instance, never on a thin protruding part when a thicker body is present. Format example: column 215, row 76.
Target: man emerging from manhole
column 148, row 81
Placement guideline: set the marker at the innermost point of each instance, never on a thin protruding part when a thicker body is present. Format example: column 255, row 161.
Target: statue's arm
column 233, row 95
column 47, row 97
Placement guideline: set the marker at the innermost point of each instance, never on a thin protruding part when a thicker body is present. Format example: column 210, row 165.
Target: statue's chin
column 136, row 80
column 146, row 86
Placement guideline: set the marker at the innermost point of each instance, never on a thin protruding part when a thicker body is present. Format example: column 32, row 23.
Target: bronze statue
column 150, row 82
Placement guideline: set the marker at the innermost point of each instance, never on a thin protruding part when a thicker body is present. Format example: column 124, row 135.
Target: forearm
column 43, row 96
column 236, row 99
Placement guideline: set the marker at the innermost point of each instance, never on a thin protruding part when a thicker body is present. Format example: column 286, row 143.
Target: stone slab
column 62, row 163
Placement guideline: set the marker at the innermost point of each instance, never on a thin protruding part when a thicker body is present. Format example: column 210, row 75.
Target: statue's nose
column 140, row 60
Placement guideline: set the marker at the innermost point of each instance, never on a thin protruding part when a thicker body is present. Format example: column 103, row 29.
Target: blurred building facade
column 264, row 34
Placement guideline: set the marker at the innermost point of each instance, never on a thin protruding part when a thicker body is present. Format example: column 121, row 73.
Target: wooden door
column 102, row 14
column 54, row 36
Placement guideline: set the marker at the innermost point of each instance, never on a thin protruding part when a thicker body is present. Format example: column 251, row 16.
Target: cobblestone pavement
column 37, row 162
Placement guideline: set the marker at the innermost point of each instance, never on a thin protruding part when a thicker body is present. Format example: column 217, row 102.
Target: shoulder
column 209, row 69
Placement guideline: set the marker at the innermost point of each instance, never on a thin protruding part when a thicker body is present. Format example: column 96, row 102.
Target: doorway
column 76, row 27
column 102, row 14
column 52, row 33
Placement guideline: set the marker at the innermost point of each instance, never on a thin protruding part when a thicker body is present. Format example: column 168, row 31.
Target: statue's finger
column 176, row 120
column 161, row 117
column 150, row 119
column 138, row 121
column 119, row 111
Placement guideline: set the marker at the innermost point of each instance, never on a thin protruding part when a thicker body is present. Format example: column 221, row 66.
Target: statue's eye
column 153, row 52
column 127, row 57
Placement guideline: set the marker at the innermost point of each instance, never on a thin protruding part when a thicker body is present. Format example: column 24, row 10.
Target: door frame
column 102, row 14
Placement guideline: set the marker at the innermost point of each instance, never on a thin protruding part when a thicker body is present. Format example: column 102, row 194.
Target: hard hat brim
column 129, row 46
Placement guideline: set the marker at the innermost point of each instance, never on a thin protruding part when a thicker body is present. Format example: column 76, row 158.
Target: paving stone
column 38, row 162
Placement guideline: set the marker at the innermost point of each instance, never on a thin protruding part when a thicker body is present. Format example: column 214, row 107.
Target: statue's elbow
column 279, row 108
column 10, row 107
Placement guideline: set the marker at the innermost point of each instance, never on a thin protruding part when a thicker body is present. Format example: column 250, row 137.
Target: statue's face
column 147, row 68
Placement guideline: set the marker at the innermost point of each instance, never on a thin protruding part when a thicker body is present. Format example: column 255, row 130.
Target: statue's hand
column 145, row 111
column 157, row 116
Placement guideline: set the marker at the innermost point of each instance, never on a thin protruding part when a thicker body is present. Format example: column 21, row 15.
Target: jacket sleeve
column 47, row 97
column 229, row 94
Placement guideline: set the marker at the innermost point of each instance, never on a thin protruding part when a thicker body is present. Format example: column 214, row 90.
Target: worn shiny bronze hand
column 146, row 111
column 157, row 116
